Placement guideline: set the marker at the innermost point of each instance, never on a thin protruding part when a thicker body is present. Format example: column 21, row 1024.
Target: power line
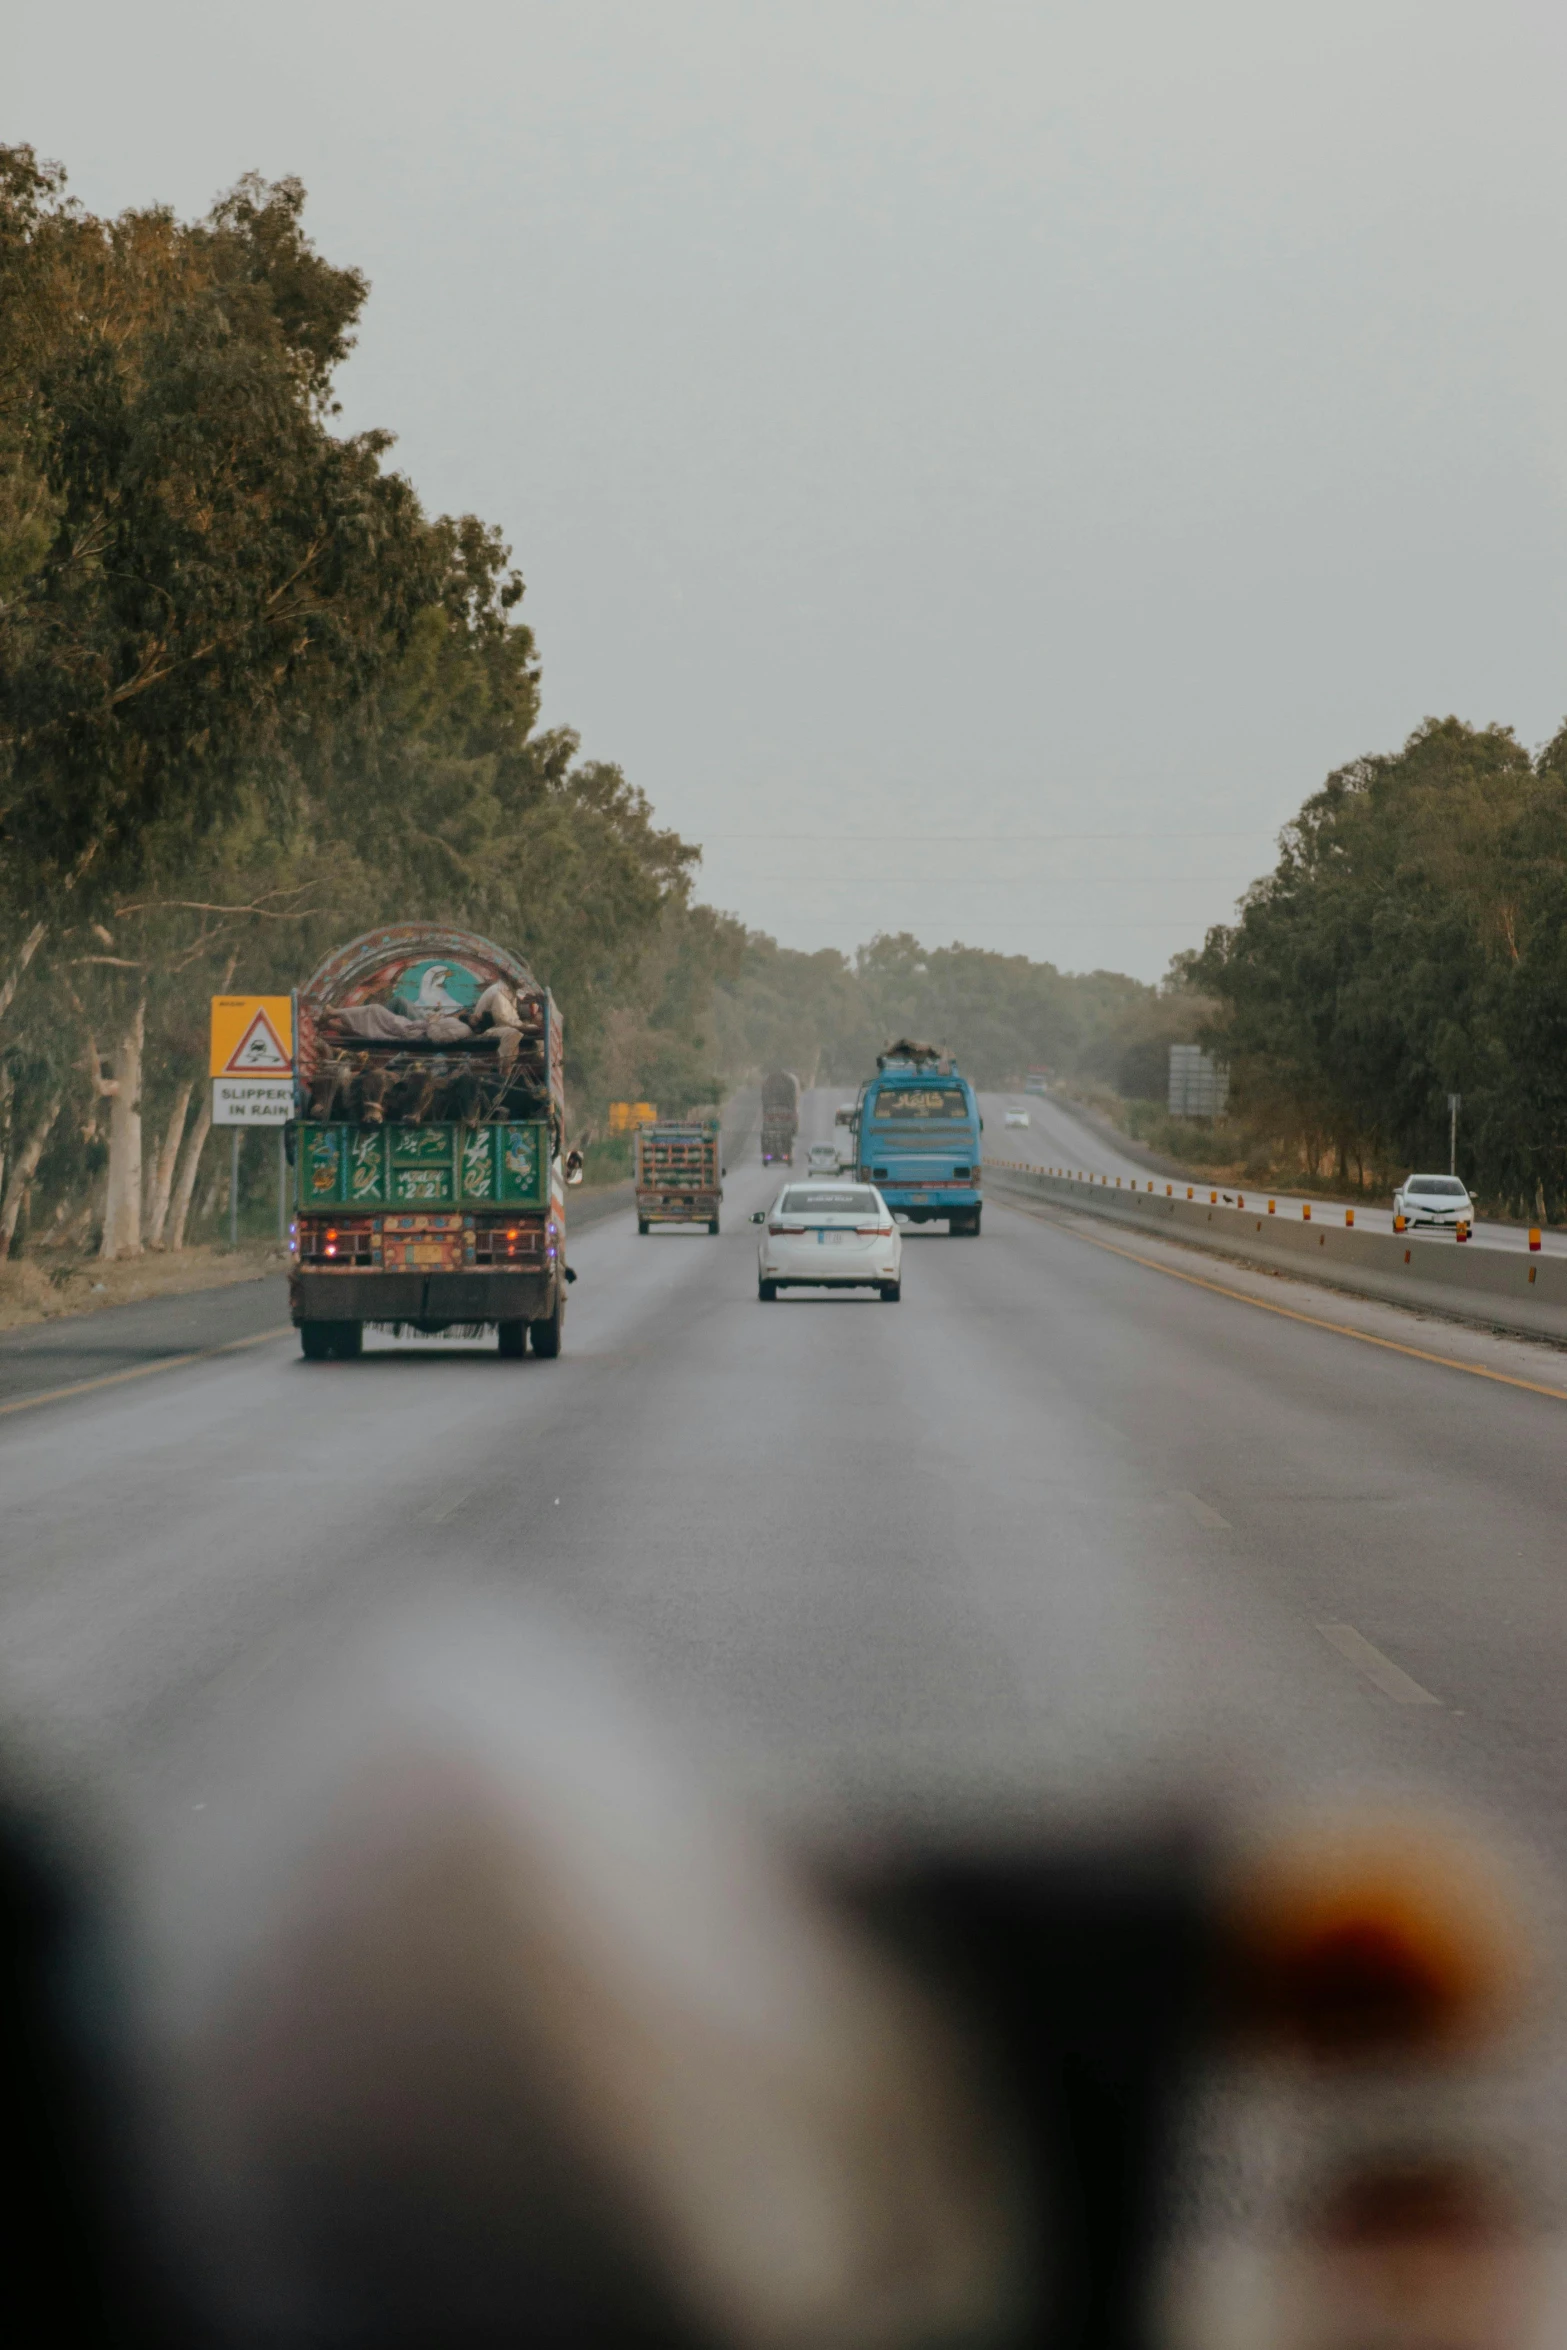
column 952, row 839
column 1031, row 882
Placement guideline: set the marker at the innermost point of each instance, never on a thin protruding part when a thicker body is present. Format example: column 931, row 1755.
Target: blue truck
column 919, row 1137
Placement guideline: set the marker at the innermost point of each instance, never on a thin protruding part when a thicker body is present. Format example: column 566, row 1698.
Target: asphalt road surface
column 1054, row 1137
column 1061, row 1520
column 1085, row 1521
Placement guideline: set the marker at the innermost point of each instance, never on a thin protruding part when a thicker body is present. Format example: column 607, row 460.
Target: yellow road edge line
column 1265, row 1305
column 202, row 1354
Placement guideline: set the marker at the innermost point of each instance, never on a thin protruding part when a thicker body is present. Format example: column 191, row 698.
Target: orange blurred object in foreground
column 1380, row 1936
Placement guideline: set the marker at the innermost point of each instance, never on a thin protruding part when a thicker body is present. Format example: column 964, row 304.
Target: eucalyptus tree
column 200, row 576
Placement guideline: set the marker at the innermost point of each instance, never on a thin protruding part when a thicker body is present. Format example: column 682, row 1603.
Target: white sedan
column 1433, row 1199
column 1016, row 1118
column 829, row 1236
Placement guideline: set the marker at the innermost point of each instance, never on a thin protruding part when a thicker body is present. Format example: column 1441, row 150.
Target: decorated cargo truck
column 780, row 1116
column 428, row 1146
column 677, row 1175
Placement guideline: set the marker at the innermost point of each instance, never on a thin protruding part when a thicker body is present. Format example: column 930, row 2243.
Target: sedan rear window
column 1437, row 1186
column 828, row 1203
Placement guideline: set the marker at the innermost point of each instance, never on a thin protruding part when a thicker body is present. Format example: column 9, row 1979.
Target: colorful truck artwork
column 428, row 1148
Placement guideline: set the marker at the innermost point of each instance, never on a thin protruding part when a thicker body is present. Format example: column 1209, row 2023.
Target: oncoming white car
column 1433, row 1199
column 829, row 1236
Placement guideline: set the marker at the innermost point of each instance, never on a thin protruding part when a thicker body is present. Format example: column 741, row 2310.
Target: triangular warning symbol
column 258, row 1051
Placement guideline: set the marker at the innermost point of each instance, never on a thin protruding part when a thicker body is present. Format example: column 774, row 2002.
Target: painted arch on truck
column 415, row 968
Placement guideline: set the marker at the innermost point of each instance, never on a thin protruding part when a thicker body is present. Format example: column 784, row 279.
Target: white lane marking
column 1380, row 1670
column 1204, row 1515
column 446, row 1509
column 200, row 1354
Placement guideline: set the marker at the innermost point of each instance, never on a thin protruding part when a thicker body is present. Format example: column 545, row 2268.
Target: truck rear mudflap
column 433, row 1300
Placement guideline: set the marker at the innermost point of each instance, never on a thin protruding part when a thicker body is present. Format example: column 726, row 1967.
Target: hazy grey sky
column 929, row 431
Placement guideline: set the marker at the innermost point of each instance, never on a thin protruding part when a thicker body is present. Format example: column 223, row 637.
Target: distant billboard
column 1199, row 1085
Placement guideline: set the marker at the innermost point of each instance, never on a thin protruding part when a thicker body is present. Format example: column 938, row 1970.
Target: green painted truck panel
column 345, row 1166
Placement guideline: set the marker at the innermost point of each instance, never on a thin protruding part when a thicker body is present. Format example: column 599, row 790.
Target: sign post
column 252, row 1068
column 1454, row 1104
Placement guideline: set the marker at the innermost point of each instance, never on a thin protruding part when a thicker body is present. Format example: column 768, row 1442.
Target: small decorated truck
column 428, row 1145
column 677, row 1174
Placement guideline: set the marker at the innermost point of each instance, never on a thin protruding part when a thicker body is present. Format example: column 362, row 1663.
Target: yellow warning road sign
column 623, row 1116
column 252, row 1036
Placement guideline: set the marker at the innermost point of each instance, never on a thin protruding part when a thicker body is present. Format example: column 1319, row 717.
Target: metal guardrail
column 1504, row 1289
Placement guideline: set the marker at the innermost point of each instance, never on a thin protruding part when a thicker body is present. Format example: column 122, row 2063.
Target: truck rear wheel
column 349, row 1341
column 713, row 1225
column 546, row 1335
column 511, row 1340
column 642, row 1226
column 767, row 1291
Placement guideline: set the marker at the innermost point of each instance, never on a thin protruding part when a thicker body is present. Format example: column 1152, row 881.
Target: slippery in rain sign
column 252, row 1060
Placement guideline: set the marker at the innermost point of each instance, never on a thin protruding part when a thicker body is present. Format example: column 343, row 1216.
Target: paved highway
column 1074, row 1512
column 1054, row 1137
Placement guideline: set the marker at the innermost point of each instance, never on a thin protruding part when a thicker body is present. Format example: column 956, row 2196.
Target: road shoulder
column 1532, row 1362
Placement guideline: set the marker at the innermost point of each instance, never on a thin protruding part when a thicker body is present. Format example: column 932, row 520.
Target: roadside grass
column 49, row 1286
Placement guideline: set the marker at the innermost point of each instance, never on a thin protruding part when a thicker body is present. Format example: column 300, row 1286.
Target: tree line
column 1410, row 943
column 827, row 1015
column 254, row 698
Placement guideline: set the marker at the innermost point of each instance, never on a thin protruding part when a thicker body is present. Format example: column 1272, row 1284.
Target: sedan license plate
column 829, row 1239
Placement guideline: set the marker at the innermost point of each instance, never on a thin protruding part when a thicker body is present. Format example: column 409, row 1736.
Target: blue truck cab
column 919, row 1137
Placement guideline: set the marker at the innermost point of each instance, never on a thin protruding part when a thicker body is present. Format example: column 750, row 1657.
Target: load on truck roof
column 907, row 1054
column 421, row 1024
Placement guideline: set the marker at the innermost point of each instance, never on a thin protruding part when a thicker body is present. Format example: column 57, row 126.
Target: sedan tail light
column 874, row 1231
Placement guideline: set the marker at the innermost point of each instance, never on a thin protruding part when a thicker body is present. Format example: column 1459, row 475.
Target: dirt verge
column 43, row 1288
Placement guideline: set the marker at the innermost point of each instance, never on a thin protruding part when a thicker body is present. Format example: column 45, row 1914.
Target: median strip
column 202, row 1354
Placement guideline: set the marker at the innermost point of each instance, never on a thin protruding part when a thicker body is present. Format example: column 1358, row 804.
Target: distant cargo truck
column 780, row 1116
column 429, row 1164
column 678, row 1176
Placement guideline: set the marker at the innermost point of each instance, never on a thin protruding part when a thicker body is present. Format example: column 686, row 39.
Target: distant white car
column 823, row 1158
column 829, row 1236
column 1016, row 1118
column 1433, row 1199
